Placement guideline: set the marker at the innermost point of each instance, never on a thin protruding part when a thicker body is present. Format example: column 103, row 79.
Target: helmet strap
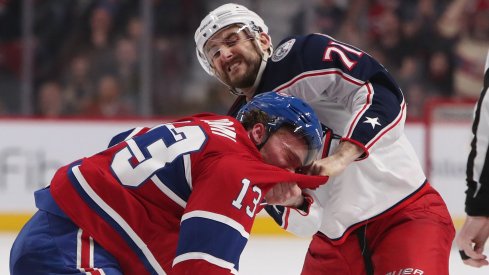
column 265, row 54
column 259, row 146
column 263, row 64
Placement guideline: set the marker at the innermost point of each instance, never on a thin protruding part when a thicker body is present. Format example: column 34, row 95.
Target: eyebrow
column 295, row 157
column 223, row 38
column 236, row 32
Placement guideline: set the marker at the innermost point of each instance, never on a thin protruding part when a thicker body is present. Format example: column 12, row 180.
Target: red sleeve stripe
column 387, row 129
column 368, row 102
column 326, row 143
column 286, row 218
column 319, row 73
column 359, row 144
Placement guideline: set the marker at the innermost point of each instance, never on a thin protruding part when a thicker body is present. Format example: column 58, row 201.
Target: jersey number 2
column 339, row 50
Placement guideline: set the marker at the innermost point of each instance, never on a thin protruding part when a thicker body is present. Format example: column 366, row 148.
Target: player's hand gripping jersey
column 357, row 99
column 154, row 220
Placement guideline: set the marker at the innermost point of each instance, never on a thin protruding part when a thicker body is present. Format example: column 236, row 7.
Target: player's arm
column 344, row 75
column 474, row 234
column 217, row 221
column 221, row 210
column 478, row 160
column 346, row 153
column 285, row 194
column 366, row 90
column 293, row 209
column 303, row 220
column 471, row 241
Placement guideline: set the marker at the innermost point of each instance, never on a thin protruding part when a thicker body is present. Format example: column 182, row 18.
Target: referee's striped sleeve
column 476, row 202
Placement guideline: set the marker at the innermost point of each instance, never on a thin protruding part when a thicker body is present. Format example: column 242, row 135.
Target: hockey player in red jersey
column 177, row 198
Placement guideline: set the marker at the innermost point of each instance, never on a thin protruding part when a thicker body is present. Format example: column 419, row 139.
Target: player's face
column 286, row 150
column 234, row 57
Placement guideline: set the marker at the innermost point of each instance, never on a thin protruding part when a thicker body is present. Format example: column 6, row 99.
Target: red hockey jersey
column 178, row 198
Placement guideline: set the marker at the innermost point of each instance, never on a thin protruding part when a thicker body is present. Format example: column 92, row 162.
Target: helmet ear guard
column 288, row 111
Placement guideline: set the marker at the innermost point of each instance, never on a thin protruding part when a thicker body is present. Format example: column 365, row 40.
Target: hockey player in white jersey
column 378, row 214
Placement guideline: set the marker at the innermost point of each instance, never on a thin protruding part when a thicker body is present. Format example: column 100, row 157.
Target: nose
column 226, row 52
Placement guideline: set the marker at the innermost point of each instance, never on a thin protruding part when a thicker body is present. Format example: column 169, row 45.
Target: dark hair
column 253, row 117
column 258, row 116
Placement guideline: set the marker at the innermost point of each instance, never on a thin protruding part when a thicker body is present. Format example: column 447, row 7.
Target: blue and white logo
column 282, row 50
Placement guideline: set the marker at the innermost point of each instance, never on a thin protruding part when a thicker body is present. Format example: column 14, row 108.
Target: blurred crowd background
column 129, row 58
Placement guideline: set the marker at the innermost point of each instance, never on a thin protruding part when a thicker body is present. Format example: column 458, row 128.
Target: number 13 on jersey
column 250, row 210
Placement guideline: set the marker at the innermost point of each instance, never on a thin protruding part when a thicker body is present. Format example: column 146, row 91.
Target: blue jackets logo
column 282, row 50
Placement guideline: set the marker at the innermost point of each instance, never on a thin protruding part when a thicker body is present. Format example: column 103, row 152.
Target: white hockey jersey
column 356, row 98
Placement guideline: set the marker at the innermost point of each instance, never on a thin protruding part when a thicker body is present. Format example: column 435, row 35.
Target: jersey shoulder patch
column 282, row 50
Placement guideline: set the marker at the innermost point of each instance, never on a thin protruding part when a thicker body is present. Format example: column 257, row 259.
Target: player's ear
column 258, row 133
column 265, row 41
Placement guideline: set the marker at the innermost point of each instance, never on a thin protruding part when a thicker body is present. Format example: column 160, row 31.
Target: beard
column 247, row 78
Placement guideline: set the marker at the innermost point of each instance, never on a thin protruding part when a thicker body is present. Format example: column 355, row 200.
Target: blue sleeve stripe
column 114, row 219
column 175, row 179
column 277, row 213
column 380, row 113
column 168, row 192
column 218, row 218
column 210, row 236
column 389, row 127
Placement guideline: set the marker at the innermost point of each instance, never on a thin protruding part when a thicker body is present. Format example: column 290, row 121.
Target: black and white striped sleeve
column 477, row 199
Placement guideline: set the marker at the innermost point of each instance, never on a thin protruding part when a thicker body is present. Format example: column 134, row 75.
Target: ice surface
column 265, row 256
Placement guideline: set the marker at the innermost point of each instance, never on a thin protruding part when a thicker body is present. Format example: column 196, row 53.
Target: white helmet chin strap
column 263, row 64
column 264, row 58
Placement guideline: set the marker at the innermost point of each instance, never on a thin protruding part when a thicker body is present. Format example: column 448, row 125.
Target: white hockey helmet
column 221, row 17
